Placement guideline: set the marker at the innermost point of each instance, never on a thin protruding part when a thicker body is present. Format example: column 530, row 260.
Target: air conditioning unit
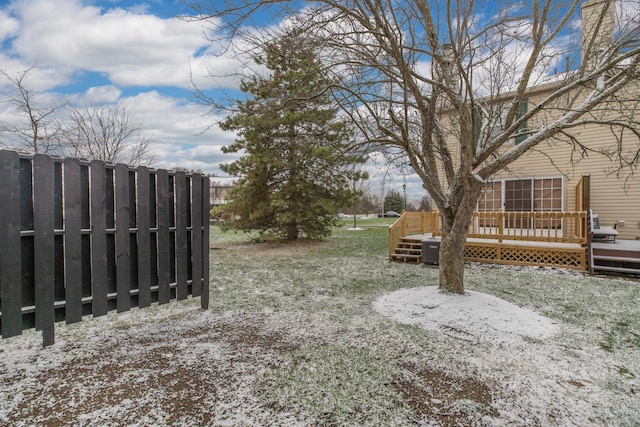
column 430, row 251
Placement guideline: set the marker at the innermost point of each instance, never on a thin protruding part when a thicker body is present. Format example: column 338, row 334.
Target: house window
column 498, row 121
column 491, row 199
column 522, row 195
column 533, row 195
column 547, row 194
column 517, row 195
column 523, row 129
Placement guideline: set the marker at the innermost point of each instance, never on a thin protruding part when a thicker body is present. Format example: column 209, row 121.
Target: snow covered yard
column 331, row 333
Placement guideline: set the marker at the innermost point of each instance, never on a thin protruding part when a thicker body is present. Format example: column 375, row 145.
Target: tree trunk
column 292, row 230
column 455, row 227
column 451, row 262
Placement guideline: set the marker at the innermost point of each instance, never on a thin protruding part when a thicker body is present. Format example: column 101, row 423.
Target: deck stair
column 616, row 261
column 408, row 250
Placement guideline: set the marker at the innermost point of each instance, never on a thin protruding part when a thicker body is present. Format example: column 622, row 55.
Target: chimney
column 597, row 31
column 445, row 66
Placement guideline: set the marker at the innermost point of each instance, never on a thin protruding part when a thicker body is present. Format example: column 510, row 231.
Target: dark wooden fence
column 83, row 238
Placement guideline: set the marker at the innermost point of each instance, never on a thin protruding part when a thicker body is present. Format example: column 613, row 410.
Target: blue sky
column 120, row 51
column 136, row 53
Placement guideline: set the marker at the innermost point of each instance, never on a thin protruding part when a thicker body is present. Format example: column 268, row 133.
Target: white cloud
column 176, row 129
column 8, row 26
column 131, row 48
column 39, row 79
column 102, row 94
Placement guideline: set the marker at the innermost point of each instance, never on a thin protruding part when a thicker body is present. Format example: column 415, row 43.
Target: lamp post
column 404, row 190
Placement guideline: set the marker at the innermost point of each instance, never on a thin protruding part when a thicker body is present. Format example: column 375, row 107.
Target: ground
column 320, row 334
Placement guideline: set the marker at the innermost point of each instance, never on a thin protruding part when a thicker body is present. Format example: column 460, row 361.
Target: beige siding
column 615, row 200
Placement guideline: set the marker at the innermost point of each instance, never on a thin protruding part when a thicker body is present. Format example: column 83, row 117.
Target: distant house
column 219, row 193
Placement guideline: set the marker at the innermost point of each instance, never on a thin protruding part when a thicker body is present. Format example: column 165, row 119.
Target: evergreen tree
column 295, row 170
column 393, row 202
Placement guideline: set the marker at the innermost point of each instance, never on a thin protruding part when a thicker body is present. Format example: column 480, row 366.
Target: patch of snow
column 473, row 316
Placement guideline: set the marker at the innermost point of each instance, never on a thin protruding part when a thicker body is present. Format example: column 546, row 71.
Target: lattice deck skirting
column 548, row 256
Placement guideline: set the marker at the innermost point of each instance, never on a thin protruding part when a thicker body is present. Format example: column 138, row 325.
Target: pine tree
column 295, row 169
column 393, row 202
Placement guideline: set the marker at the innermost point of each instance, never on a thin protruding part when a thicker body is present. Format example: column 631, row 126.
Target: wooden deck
column 522, row 252
column 549, row 239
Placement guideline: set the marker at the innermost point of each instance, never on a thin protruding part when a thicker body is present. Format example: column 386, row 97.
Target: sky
column 137, row 54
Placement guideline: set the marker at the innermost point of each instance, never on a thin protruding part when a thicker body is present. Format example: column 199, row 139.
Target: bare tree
column 34, row 126
column 424, row 204
column 107, row 133
column 441, row 86
column 359, row 186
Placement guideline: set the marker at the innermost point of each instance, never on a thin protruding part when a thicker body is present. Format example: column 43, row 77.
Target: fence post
column 204, row 298
column 196, row 235
column 43, row 235
column 10, row 249
column 73, row 240
column 98, row 239
column 182, row 254
column 164, row 256
column 144, row 237
column 123, row 239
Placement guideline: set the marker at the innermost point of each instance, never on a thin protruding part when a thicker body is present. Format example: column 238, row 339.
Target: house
column 534, row 210
column 219, row 193
column 554, row 177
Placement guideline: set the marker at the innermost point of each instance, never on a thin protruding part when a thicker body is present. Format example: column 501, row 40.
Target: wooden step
column 413, row 258
column 616, row 259
column 410, row 245
column 616, row 269
column 410, row 242
column 621, row 263
column 407, row 251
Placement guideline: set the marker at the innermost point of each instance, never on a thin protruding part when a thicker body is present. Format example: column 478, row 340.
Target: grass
column 291, row 338
column 342, row 375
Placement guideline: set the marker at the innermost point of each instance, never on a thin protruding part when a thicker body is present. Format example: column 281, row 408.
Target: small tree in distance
column 38, row 127
column 43, row 124
column 359, row 187
column 296, row 170
column 107, row 133
column 424, row 204
column 393, row 202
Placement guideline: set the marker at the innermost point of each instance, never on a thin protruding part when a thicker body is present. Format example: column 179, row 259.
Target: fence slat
column 10, row 253
column 59, row 290
column 196, row 235
column 204, row 298
column 98, row 238
column 43, row 228
column 182, row 260
column 164, row 218
column 144, row 256
column 73, row 240
column 123, row 250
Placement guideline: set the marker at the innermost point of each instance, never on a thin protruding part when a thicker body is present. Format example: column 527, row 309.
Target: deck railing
column 411, row 223
column 553, row 226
